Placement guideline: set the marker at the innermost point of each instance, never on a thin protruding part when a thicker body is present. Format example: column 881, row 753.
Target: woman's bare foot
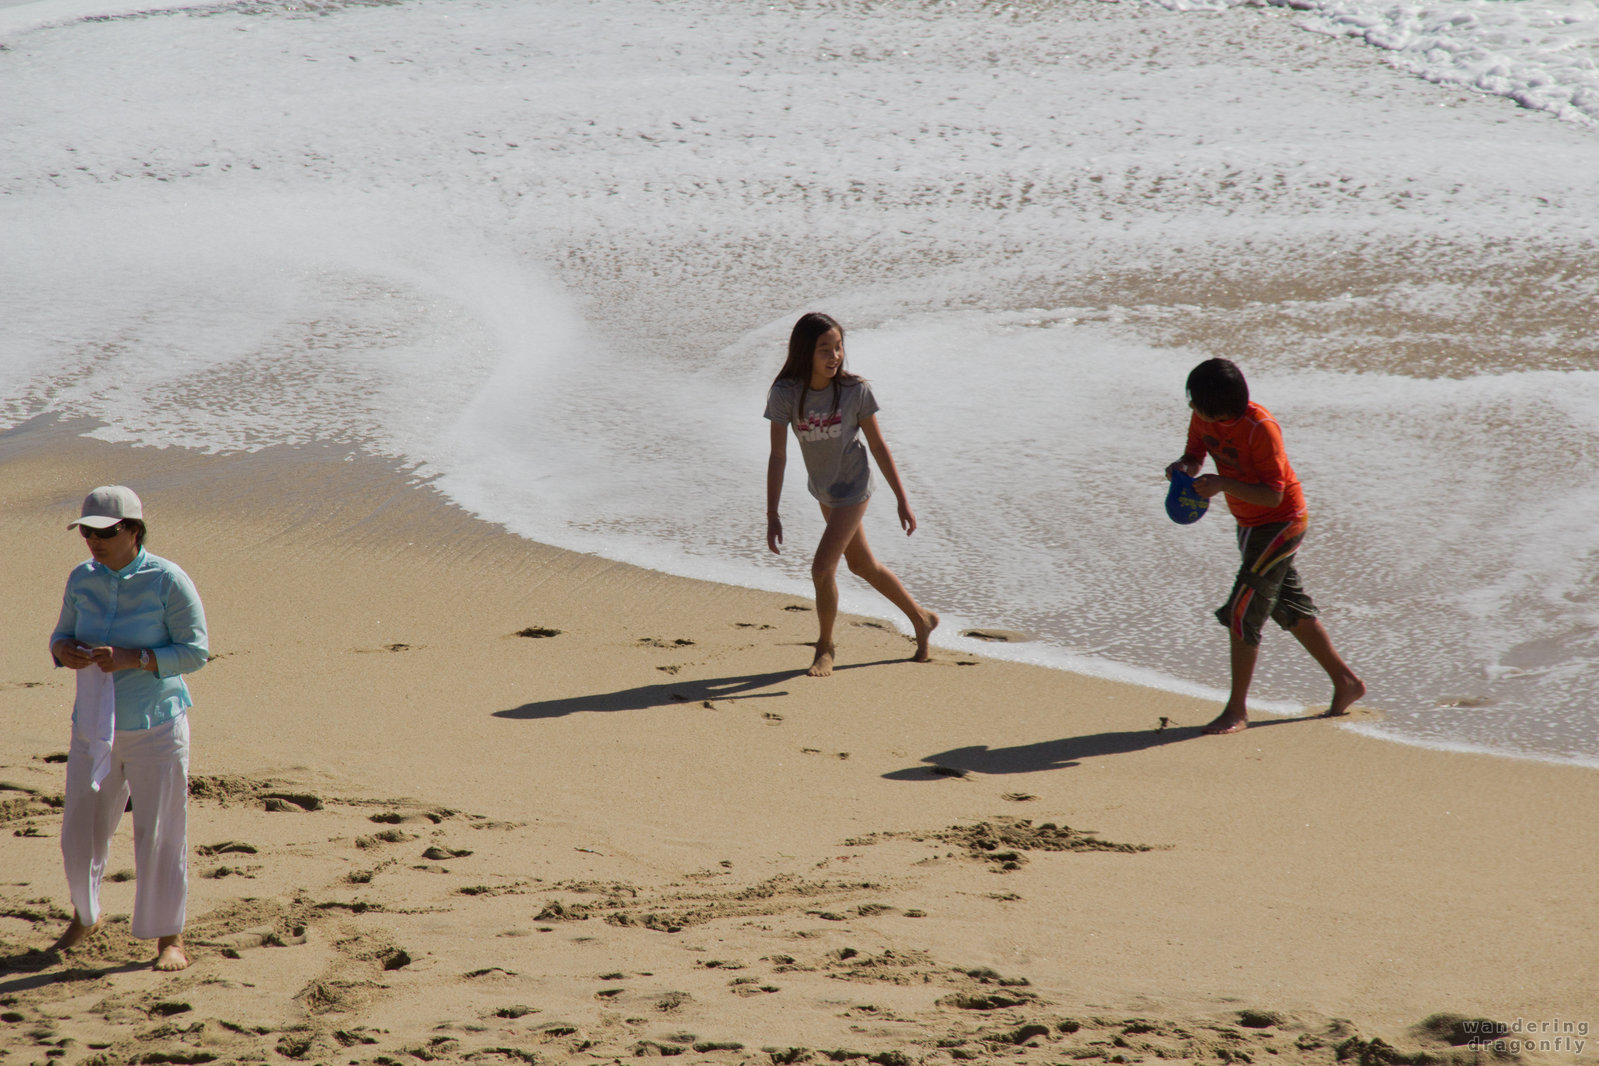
column 822, row 665
column 76, row 933
column 1344, row 697
column 170, row 956
column 1228, row 721
column 924, row 632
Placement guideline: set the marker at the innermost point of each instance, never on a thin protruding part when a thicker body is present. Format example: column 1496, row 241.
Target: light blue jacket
column 150, row 603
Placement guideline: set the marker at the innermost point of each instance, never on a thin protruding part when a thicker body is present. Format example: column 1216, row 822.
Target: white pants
column 153, row 765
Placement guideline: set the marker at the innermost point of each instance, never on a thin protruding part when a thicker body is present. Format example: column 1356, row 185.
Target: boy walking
column 1265, row 498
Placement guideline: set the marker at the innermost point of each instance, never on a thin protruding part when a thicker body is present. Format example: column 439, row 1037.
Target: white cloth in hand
column 94, row 716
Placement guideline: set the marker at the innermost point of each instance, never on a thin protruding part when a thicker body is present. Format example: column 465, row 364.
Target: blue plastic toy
column 1183, row 504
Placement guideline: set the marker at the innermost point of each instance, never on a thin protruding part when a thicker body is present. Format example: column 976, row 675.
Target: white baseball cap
column 108, row 505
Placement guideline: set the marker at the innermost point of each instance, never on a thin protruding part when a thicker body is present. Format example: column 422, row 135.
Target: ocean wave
column 1539, row 55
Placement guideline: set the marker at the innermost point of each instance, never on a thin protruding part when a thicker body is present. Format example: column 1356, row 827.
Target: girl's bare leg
column 843, row 525
column 862, row 563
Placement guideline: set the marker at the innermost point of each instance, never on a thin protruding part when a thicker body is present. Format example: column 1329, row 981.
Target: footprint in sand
column 742, row 986
column 751, row 625
column 657, row 642
column 438, row 854
column 1463, row 701
column 997, row 636
column 396, row 818
column 390, row 648
column 515, row 1010
column 537, row 632
column 388, row 836
column 796, row 607
column 291, row 801
column 364, row 877
column 985, row 1002
column 296, row 936
column 771, row 719
column 247, row 872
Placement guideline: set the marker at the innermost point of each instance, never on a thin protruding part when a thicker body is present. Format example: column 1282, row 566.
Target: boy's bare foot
column 924, row 633
column 822, row 665
column 170, row 956
column 1344, row 697
column 76, row 933
column 1228, row 721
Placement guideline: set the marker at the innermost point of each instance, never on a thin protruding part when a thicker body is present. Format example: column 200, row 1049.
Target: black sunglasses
column 100, row 534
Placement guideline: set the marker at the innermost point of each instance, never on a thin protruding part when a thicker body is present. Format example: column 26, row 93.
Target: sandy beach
column 461, row 797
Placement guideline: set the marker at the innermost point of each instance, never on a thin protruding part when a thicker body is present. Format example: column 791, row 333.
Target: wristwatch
column 144, row 658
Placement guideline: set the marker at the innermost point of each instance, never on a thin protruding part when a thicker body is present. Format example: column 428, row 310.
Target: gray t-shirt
column 836, row 462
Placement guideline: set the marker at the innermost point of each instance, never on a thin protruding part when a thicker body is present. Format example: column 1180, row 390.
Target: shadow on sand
column 685, row 690
column 40, row 968
column 1056, row 754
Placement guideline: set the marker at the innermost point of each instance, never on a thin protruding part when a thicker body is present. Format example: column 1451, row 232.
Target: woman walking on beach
column 131, row 624
column 830, row 409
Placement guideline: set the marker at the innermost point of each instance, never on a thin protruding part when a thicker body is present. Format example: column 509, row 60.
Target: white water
column 549, row 253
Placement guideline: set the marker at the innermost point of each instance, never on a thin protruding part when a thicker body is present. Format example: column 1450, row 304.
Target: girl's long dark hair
column 801, row 353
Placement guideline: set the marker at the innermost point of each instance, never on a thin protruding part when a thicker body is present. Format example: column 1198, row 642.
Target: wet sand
column 460, row 797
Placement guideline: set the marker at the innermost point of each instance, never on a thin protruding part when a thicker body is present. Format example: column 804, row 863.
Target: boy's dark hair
column 1217, row 388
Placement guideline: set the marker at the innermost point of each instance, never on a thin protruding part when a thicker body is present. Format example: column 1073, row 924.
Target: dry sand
column 420, row 836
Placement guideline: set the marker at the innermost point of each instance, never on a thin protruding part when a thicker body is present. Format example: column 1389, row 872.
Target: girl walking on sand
column 830, row 409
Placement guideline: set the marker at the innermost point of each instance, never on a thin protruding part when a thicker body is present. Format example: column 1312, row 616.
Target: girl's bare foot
column 924, row 632
column 1228, row 721
column 170, row 956
column 822, row 665
column 1344, row 697
column 76, row 933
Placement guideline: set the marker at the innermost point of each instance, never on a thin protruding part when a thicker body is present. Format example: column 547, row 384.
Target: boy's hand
column 1187, row 466
column 1212, row 485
